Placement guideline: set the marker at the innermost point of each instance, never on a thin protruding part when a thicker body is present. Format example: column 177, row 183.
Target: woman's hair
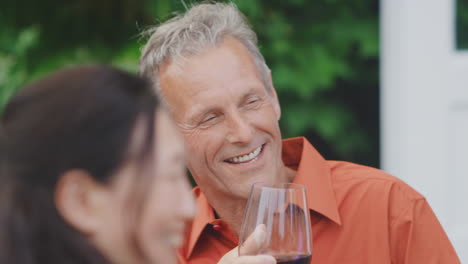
column 79, row 118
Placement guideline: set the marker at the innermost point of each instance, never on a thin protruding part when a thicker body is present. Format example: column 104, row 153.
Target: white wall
column 424, row 108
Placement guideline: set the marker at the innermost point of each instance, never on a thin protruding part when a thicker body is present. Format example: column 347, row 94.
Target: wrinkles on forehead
column 203, row 81
column 176, row 65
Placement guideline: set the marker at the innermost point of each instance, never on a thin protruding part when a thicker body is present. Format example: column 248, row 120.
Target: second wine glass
column 283, row 210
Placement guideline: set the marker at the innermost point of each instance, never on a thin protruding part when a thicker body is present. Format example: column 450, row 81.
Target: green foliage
column 323, row 55
column 13, row 58
column 462, row 24
column 319, row 51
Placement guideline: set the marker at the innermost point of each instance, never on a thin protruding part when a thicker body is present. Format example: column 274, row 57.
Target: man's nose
column 239, row 129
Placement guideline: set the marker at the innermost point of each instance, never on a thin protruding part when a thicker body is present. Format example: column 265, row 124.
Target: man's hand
column 254, row 243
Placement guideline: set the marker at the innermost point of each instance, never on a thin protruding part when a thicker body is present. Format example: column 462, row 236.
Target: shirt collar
column 203, row 217
column 312, row 171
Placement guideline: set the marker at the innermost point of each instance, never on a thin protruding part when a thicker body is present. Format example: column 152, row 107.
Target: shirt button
column 216, row 227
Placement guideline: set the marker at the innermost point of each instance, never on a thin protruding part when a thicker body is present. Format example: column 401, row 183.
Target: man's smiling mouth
column 246, row 157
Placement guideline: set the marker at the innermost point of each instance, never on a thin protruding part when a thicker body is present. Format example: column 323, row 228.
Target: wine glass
column 282, row 213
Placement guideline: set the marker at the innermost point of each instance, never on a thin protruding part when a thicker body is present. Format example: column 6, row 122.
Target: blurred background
column 325, row 57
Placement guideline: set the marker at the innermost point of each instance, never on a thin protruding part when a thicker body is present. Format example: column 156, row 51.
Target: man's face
column 227, row 117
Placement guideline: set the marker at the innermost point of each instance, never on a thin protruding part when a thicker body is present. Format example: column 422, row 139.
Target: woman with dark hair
column 91, row 171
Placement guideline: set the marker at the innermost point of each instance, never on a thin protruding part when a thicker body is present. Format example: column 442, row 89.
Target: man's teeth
column 246, row 157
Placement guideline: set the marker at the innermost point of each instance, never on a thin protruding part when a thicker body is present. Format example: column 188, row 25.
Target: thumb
column 252, row 246
column 255, row 242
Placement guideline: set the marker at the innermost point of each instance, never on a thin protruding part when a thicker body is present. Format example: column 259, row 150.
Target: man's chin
column 244, row 191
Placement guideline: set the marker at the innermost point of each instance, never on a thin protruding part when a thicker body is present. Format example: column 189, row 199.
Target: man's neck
column 229, row 210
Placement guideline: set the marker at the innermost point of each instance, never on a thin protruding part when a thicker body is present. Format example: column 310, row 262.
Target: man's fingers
column 255, row 242
column 259, row 259
column 230, row 256
column 251, row 247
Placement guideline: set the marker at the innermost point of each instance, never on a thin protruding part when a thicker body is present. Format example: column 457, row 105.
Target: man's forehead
column 196, row 81
column 177, row 74
column 184, row 87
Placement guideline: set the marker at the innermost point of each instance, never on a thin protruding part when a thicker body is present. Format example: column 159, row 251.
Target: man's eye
column 208, row 119
column 253, row 102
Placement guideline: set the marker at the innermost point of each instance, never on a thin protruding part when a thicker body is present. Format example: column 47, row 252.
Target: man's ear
column 274, row 96
column 80, row 200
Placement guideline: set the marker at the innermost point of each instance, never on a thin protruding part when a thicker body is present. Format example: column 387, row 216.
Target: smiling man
column 207, row 68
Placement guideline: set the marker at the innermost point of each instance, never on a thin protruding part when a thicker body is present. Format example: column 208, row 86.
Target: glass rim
column 279, row 186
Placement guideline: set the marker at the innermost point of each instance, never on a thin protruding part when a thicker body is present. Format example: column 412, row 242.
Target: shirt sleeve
column 416, row 236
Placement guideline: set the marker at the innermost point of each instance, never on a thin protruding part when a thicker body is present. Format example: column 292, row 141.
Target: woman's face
column 169, row 204
column 150, row 229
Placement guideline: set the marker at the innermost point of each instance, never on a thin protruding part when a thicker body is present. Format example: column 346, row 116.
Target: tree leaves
column 323, row 55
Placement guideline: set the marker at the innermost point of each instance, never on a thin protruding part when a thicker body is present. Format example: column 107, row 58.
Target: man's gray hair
column 202, row 27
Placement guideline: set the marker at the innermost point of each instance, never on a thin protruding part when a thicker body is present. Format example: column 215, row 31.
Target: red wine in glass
column 298, row 259
column 282, row 211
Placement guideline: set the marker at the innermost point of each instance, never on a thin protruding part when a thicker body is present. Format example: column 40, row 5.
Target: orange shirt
column 359, row 215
